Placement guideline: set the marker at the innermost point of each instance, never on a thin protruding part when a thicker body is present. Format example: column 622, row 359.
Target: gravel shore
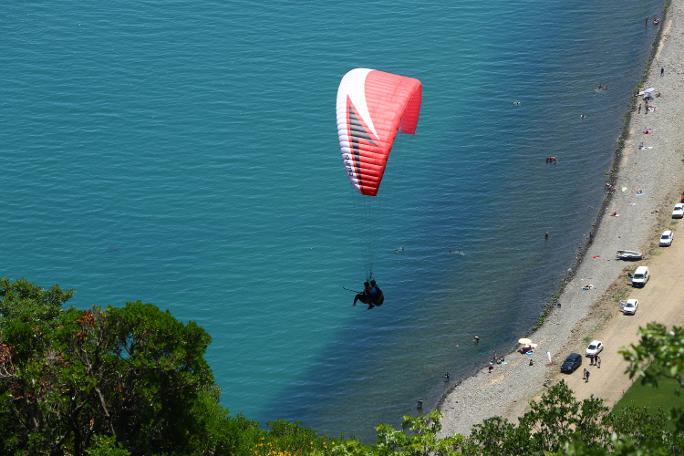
column 649, row 182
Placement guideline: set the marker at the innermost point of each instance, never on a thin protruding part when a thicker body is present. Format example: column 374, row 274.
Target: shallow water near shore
column 186, row 155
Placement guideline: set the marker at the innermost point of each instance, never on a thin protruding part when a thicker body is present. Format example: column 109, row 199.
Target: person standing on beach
column 639, row 109
column 598, row 361
column 662, row 72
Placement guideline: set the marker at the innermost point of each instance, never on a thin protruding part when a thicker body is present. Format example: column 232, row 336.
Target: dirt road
column 661, row 300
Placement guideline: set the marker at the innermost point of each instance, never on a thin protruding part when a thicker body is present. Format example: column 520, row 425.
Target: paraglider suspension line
column 369, row 235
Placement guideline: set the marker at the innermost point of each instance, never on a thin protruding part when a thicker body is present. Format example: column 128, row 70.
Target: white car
column 640, row 277
column 678, row 211
column 629, row 307
column 666, row 238
column 594, row 348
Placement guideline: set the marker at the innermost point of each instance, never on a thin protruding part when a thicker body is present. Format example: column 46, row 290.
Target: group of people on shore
column 594, row 360
column 495, row 360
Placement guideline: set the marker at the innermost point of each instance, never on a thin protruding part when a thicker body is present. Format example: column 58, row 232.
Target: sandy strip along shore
column 657, row 170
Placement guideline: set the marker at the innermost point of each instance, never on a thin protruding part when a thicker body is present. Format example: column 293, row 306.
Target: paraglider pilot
column 371, row 295
column 376, row 295
column 364, row 296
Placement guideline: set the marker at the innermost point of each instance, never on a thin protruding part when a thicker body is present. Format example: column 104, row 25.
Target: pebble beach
column 649, row 178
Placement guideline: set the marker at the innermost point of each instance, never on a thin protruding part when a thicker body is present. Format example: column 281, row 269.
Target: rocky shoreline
column 647, row 178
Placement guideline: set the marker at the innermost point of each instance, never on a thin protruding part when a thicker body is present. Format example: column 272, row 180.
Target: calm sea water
column 185, row 154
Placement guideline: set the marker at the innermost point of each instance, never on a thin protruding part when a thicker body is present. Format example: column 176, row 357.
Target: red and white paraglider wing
column 371, row 107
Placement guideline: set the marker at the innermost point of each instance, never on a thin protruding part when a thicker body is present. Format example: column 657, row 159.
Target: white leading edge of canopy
column 353, row 86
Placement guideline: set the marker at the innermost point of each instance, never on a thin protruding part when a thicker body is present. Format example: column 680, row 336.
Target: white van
column 640, row 276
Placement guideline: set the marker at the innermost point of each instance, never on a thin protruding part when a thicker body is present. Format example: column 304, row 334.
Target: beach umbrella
column 524, row 341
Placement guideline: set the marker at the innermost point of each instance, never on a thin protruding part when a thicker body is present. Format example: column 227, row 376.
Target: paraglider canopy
column 371, row 107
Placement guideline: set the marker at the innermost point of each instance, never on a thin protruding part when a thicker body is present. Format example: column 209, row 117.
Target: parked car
column 678, row 211
column 572, row 362
column 594, row 348
column 666, row 238
column 640, row 276
column 629, row 307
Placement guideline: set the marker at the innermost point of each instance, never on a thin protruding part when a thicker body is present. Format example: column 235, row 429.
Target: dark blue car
column 571, row 363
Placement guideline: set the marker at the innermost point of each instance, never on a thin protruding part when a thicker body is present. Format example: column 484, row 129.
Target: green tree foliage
column 659, row 354
column 555, row 421
column 69, row 378
column 133, row 381
column 417, row 437
column 640, row 428
column 560, row 424
column 116, row 382
column 106, row 446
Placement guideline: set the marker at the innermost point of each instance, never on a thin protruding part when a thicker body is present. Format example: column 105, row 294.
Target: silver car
column 594, row 348
column 629, row 307
column 666, row 238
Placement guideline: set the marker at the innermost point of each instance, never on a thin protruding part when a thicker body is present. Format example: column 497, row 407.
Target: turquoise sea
column 185, row 154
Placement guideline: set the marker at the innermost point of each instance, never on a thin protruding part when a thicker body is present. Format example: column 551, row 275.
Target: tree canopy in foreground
column 134, row 381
